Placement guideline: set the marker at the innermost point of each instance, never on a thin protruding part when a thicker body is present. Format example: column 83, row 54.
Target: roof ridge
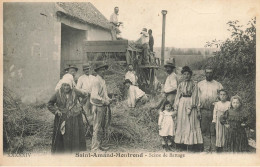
column 84, row 11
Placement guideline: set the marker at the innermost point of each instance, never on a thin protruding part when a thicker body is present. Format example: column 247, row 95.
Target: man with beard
column 208, row 95
column 171, row 83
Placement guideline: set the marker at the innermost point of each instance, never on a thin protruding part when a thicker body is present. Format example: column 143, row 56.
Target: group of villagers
column 192, row 116
column 199, row 116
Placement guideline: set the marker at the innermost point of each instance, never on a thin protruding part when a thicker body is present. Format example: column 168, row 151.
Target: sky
column 189, row 23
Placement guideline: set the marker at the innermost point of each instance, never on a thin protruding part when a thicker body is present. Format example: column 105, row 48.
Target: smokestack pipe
column 164, row 12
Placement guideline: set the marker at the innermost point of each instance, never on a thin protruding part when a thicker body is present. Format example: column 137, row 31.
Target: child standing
column 219, row 109
column 235, row 121
column 166, row 125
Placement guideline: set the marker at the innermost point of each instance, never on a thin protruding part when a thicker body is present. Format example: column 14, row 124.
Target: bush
column 235, row 64
column 237, row 55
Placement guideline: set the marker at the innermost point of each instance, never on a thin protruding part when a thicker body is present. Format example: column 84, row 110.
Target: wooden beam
column 105, row 46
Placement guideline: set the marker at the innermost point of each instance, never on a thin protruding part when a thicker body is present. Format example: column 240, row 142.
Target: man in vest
column 171, row 83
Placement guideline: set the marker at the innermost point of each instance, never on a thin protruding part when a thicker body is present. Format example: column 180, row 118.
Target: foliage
column 190, row 51
column 235, row 64
column 237, row 55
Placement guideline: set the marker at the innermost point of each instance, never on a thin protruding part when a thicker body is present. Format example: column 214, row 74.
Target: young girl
column 235, row 121
column 219, row 109
column 166, row 125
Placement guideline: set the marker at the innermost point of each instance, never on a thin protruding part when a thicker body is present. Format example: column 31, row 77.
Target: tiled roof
column 84, row 12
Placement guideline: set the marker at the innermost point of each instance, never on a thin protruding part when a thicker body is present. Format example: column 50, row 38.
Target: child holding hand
column 167, row 126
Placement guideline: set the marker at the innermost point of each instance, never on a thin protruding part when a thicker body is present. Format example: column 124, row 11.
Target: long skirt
column 73, row 139
column 236, row 140
column 188, row 126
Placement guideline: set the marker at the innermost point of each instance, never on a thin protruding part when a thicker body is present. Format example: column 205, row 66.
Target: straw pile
column 21, row 122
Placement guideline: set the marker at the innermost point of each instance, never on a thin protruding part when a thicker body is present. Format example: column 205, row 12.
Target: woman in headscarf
column 188, row 130
column 68, row 133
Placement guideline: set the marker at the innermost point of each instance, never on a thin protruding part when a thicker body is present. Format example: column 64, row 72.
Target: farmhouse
column 41, row 38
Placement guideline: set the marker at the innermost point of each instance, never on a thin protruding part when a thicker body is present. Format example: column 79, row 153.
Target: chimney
column 164, row 12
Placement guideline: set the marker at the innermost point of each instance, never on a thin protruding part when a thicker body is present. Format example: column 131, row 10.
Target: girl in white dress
column 166, row 125
column 219, row 109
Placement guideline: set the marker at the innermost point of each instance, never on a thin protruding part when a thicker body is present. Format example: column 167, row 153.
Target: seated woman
column 68, row 133
column 134, row 94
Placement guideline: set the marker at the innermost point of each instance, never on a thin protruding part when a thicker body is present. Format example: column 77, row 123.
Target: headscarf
column 67, row 78
column 68, row 81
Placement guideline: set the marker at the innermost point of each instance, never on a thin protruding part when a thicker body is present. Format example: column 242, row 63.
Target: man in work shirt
column 134, row 94
column 208, row 95
column 116, row 24
column 131, row 75
column 171, row 83
column 100, row 101
column 144, row 41
column 85, row 83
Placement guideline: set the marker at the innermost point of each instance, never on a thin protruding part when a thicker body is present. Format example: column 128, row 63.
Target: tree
column 237, row 54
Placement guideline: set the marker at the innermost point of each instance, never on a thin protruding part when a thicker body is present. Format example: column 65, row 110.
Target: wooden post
column 164, row 12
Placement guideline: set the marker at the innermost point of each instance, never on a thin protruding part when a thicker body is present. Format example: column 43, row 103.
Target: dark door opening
column 71, row 46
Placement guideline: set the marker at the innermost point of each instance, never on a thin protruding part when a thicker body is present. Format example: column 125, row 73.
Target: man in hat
column 131, row 75
column 208, row 95
column 171, row 83
column 115, row 23
column 144, row 40
column 70, row 71
column 134, row 94
column 85, row 83
column 100, row 101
